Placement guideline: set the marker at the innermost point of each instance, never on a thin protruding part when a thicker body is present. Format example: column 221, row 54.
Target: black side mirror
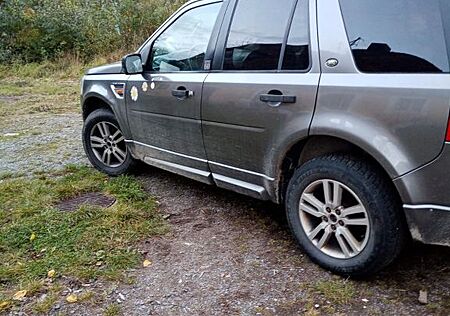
column 132, row 64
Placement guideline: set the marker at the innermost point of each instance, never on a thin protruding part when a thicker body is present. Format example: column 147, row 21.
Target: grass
column 336, row 291
column 47, row 87
column 86, row 244
column 112, row 310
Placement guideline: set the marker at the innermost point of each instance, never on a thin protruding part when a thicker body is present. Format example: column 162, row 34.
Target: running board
column 239, row 186
column 188, row 172
column 221, row 181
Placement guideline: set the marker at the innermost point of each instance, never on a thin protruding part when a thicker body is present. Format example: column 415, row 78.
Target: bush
column 37, row 30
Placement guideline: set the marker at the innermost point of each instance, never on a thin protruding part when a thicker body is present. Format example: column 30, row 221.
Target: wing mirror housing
column 132, row 64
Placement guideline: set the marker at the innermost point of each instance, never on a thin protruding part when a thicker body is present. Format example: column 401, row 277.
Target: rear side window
column 296, row 56
column 256, row 35
column 400, row 36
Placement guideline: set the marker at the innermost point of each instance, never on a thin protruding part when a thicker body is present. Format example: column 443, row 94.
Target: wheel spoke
column 353, row 210
column 326, row 236
column 104, row 156
column 120, row 139
column 108, row 158
column 337, row 194
column 317, row 230
column 119, row 157
column 327, row 192
column 311, row 199
column 121, row 153
column 343, row 245
column 308, row 209
column 104, row 129
column 350, row 239
column 117, row 133
column 356, row 221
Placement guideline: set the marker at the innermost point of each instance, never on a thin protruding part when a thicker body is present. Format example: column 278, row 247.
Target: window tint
column 296, row 56
column 182, row 47
column 256, row 35
column 401, row 36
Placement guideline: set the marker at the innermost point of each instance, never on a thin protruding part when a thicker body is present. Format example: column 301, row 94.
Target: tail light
column 447, row 137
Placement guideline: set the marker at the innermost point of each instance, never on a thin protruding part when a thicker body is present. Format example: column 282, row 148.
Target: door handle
column 182, row 93
column 275, row 98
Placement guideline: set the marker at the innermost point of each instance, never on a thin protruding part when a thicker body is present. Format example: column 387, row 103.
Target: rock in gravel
column 423, row 297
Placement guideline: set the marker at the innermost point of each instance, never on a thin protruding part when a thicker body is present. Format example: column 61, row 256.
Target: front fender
column 98, row 87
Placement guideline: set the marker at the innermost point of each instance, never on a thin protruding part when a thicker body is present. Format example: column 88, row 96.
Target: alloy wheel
column 108, row 144
column 334, row 219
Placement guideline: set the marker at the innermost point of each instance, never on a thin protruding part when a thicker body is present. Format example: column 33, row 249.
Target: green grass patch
column 86, row 244
column 336, row 291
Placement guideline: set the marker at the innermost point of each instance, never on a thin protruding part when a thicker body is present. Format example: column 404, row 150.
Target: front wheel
column 105, row 144
column 345, row 215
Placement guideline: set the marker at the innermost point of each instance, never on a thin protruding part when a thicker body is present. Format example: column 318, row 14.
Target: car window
column 404, row 36
column 256, row 34
column 296, row 56
column 182, row 46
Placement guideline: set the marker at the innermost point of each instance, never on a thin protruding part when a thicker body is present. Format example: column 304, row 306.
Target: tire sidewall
column 92, row 120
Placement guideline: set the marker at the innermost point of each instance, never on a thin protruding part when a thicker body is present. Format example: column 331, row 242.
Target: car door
column 163, row 103
column 261, row 95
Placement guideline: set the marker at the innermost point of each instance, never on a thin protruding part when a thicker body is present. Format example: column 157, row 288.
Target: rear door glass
column 401, row 36
column 257, row 33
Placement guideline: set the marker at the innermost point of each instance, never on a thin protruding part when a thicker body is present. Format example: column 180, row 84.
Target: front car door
column 163, row 103
column 260, row 98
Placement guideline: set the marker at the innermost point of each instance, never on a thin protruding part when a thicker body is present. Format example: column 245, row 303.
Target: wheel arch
column 315, row 146
column 94, row 102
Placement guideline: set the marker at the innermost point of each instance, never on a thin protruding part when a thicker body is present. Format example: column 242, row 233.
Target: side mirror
column 132, row 64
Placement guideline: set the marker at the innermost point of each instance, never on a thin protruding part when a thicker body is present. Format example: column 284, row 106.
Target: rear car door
column 261, row 95
column 163, row 103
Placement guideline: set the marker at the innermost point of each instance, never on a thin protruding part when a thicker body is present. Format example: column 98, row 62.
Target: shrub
column 37, row 30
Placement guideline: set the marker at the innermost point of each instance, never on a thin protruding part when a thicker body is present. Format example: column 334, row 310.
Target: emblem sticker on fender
column 145, row 86
column 134, row 94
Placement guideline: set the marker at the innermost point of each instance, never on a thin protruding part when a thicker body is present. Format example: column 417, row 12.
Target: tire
column 369, row 209
column 110, row 138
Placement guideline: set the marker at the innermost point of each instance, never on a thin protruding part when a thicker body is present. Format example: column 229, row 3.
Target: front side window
column 182, row 46
column 401, row 36
column 256, row 35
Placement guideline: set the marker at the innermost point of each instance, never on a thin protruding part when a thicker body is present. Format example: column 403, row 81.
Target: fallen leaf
column 20, row 295
column 51, row 273
column 72, row 298
column 4, row 305
column 32, row 237
column 146, row 263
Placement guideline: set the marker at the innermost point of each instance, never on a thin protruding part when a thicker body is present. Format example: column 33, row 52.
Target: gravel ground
column 226, row 253
column 40, row 142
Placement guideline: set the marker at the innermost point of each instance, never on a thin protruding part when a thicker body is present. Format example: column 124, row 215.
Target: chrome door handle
column 274, row 98
column 182, row 93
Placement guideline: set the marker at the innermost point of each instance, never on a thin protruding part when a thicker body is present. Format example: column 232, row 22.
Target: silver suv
column 338, row 109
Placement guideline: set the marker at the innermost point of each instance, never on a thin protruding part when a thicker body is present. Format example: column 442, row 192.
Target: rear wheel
column 105, row 144
column 345, row 215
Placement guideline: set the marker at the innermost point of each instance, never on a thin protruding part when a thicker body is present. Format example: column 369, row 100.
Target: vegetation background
column 36, row 31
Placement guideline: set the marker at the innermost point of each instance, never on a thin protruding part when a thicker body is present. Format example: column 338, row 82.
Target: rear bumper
column 426, row 195
column 429, row 224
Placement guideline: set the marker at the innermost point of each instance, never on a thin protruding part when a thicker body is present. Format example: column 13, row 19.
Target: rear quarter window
column 399, row 36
